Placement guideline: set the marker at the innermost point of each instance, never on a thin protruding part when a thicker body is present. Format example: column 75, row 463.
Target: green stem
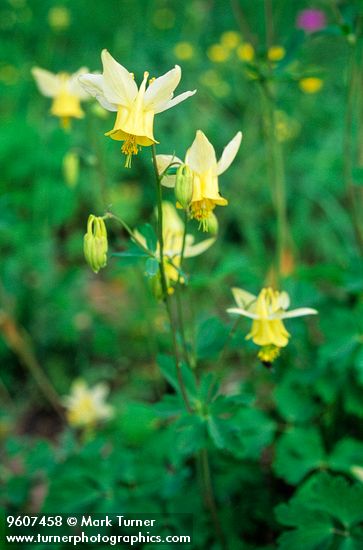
column 178, row 293
column 276, row 175
column 19, row 341
column 132, row 235
column 164, row 284
column 209, row 496
column 353, row 80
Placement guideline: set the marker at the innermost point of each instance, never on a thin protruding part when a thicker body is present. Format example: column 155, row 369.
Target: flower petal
column 93, row 84
column 196, row 249
column 300, row 312
column 161, row 90
column 75, row 87
column 229, row 153
column 201, row 156
column 241, row 311
column 162, row 163
column 284, row 300
column 243, row 298
column 48, row 83
column 172, row 102
column 119, row 86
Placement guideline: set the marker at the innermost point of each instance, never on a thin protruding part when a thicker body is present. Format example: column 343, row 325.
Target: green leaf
column 168, row 368
column 151, row 267
column 211, row 337
column 148, row 232
column 298, row 452
column 324, row 514
column 347, row 456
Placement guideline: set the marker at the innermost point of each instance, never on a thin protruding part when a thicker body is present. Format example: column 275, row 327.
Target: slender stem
column 179, row 304
column 209, row 496
column 353, row 81
column 131, row 234
column 276, row 176
column 242, row 22
column 19, row 342
column 164, row 284
column 228, row 340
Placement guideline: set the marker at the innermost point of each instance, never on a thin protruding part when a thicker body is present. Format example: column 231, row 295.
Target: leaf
column 168, row 368
column 151, row 267
column 324, row 514
column 148, row 232
column 294, row 400
column 298, row 452
column 346, row 456
column 211, row 337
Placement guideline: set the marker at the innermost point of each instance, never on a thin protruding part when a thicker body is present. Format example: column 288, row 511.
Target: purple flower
column 311, row 20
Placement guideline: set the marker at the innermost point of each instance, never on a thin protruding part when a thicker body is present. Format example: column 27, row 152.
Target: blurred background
column 60, row 322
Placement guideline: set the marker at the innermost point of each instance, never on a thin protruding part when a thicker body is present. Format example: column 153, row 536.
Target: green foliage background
column 285, row 446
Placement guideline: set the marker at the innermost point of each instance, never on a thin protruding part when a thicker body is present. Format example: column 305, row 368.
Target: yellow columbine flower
column 267, row 311
column 276, row 53
column 230, row 39
column 201, row 159
column 246, row 52
column 85, row 406
column 66, row 92
column 173, row 231
column 116, row 90
column 311, row 84
column 184, row 50
column 218, row 53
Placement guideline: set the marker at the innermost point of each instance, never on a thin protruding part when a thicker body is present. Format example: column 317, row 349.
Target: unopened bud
column 71, row 168
column 184, row 186
column 95, row 243
column 212, row 224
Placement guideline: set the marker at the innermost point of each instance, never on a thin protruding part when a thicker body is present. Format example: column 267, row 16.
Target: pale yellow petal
column 49, row 84
column 229, row 153
column 201, row 156
column 199, row 248
column 161, row 90
column 93, row 84
column 172, row 102
column 119, row 86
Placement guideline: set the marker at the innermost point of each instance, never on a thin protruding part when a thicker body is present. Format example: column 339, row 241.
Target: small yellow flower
column 311, row 84
column 218, row 53
column 276, row 53
column 201, row 159
column 184, row 50
column 116, row 90
column 230, row 39
column 267, row 311
column 246, row 52
column 173, row 231
column 65, row 91
column 85, row 406
column 59, row 18
column 95, row 243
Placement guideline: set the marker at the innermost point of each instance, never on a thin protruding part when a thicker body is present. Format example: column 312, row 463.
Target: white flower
column 86, row 406
column 116, row 90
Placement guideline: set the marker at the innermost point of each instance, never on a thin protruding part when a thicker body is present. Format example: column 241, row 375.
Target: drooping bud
column 71, row 168
column 95, row 243
column 212, row 224
column 184, row 186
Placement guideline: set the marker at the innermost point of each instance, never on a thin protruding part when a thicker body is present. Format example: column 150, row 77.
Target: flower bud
column 95, row 243
column 184, row 186
column 212, row 224
column 71, row 168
